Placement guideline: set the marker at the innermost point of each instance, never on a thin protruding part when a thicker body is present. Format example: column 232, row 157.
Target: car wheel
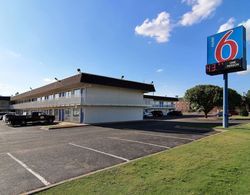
column 12, row 123
column 50, row 121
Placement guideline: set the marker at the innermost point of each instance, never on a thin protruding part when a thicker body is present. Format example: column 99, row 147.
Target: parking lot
column 31, row 158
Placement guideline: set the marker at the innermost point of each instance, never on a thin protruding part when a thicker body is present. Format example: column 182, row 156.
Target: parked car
column 233, row 112
column 174, row 113
column 2, row 114
column 35, row 117
column 6, row 116
column 157, row 113
column 220, row 114
column 147, row 114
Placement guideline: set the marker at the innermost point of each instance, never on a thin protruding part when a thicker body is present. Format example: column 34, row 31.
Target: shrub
column 244, row 112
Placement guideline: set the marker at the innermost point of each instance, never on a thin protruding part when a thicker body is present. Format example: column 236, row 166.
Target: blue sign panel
column 226, row 51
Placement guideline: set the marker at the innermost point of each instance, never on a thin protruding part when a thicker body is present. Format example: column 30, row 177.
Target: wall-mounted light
column 57, row 79
column 79, row 70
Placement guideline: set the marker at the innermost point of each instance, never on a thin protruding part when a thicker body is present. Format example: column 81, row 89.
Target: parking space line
column 98, row 151
column 44, row 181
column 167, row 136
column 145, row 143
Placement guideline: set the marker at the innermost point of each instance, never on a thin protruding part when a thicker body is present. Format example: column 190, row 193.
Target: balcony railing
column 62, row 101
column 4, row 108
column 161, row 106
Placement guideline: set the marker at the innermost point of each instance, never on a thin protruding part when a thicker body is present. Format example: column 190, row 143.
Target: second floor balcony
column 49, row 103
column 170, row 106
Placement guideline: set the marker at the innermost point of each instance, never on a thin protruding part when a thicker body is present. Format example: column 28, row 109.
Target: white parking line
column 44, row 181
column 145, row 143
column 87, row 148
column 167, row 136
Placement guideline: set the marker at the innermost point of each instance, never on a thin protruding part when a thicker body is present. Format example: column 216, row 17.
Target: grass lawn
column 218, row 164
column 238, row 117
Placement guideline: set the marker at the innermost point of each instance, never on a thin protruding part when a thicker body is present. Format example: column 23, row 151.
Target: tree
column 204, row 97
column 234, row 99
column 248, row 99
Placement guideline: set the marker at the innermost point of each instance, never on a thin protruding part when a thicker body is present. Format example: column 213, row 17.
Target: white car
column 147, row 114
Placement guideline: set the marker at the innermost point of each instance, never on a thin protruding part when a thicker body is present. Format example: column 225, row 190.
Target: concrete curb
column 63, row 127
column 114, row 166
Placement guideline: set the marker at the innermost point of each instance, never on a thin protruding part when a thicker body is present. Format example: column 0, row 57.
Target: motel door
column 56, row 113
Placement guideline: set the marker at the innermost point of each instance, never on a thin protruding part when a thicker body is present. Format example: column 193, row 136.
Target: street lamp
column 57, row 79
column 152, row 82
column 79, row 70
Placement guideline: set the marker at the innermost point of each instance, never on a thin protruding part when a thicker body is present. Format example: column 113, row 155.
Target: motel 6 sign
column 226, row 51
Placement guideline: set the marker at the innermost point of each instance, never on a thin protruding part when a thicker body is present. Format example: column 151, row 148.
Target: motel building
column 160, row 103
column 86, row 98
column 4, row 104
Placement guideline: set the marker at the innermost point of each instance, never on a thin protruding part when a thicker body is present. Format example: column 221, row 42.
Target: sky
column 163, row 41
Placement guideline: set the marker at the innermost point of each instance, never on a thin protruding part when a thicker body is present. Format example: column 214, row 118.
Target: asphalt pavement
column 31, row 158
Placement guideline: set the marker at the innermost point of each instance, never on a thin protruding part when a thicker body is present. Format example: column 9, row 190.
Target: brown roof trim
column 7, row 98
column 85, row 78
column 161, row 98
column 108, row 81
column 49, row 88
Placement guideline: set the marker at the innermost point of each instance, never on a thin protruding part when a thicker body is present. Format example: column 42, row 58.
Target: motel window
column 50, row 112
column 50, row 97
column 40, row 99
column 76, row 112
column 56, row 95
column 62, row 94
column 77, row 92
column 67, row 114
column 68, row 94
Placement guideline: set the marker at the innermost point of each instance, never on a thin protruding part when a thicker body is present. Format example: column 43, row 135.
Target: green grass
column 238, row 117
column 218, row 164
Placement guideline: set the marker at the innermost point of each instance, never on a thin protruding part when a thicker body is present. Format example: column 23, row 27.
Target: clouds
column 201, row 9
column 246, row 72
column 228, row 25
column 9, row 54
column 159, row 70
column 246, row 24
column 231, row 24
column 158, row 28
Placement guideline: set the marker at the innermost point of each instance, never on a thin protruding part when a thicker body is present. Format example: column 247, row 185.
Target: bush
column 244, row 112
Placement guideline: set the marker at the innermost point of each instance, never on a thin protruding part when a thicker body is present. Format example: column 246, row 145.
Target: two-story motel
column 161, row 103
column 87, row 98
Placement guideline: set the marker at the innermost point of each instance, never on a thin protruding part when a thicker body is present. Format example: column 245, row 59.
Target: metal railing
column 62, row 101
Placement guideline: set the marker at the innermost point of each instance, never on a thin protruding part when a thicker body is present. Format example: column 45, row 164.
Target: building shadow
column 163, row 126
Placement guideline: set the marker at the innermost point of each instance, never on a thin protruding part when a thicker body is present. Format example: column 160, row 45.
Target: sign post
column 226, row 53
column 225, row 101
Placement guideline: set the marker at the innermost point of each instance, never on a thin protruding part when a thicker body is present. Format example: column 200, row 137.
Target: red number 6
column 224, row 41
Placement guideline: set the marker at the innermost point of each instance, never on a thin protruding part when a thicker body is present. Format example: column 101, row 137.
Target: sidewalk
column 62, row 125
